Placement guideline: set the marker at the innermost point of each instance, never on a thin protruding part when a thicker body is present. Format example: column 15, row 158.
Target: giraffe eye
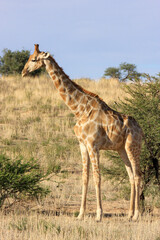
column 34, row 60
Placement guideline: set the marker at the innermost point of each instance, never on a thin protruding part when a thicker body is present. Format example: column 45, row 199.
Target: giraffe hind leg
column 94, row 158
column 123, row 155
column 133, row 153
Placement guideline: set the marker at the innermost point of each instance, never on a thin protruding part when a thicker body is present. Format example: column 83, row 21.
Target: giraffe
column 98, row 127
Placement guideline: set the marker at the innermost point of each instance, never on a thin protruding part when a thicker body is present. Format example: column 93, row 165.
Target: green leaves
column 126, row 71
column 20, row 178
column 142, row 103
column 112, row 72
column 13, row 62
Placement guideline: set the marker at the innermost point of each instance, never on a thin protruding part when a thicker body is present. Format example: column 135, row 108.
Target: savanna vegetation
column 40, row 162
column 36, row 124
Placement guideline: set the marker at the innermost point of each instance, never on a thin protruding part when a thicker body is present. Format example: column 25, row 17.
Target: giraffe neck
column 71, row 93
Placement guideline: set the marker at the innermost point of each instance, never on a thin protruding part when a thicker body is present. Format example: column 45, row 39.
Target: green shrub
column 13, row 62
column 20, row 178
column 144, row 105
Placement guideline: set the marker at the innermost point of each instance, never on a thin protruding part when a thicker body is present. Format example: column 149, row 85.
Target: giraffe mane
column 86, row 91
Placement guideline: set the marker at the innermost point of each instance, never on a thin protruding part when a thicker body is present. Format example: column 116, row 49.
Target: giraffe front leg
column 98, row 195
column 85, row 177
column 94, row 157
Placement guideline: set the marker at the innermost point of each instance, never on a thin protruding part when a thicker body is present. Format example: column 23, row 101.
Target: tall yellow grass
column 32, row 113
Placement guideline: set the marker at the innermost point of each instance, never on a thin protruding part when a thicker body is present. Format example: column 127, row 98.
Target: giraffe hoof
column 130, row 216
column 80, row 217
column 99, row 215
column 98, row 219
column 136, row 216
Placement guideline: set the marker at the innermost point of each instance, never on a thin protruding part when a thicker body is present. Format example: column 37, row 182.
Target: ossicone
column 36, row 49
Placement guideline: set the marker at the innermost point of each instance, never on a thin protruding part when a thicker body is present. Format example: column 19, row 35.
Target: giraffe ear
column 43, row 56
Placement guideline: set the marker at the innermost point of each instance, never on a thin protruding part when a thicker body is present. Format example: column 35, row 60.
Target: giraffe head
column 35, row 61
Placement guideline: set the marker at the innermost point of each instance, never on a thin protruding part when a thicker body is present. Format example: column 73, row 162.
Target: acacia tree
column 126, row 71
column 112, row 72
column 143, row 104
column 129, row 72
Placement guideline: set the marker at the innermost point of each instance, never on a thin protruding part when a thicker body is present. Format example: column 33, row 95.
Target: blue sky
column 85, row 36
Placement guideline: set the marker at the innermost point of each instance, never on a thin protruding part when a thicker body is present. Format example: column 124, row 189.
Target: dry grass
column 35, row 227
column 34, row 118
column 34, row 122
